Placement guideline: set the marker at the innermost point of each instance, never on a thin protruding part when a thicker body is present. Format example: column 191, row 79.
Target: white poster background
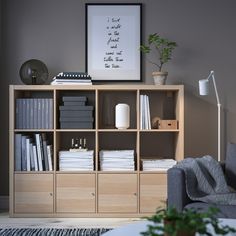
column 113, row 40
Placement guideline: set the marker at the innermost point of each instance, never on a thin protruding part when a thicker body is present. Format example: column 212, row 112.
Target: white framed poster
column 113, row 38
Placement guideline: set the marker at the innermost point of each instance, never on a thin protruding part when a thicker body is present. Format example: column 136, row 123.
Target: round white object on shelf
column 122, row 116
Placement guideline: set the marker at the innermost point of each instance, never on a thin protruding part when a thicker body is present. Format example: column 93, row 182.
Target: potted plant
column 170, row 222
column 162, row 49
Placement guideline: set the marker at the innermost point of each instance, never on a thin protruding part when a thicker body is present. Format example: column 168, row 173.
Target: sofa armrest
column 176, row 189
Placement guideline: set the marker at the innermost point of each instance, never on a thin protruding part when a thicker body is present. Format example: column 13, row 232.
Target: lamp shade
column 203, row 87
column 33, row 71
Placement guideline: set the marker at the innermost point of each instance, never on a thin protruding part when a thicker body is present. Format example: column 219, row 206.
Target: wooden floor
column 7, row 222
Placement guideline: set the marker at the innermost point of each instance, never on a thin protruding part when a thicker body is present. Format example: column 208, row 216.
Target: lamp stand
column 203, row 90
column 219, row 113
column 219, row 131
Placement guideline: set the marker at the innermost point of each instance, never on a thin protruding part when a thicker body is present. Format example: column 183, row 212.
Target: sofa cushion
column 226, row 211
column 230, row 165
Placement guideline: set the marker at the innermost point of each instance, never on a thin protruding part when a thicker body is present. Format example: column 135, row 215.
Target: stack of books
column 145, row 119
column 157, row 164
column 72, row 78
column 75, row 114
column 116, row 160
column 76, row 161
column 34, row 113
column 33, row 153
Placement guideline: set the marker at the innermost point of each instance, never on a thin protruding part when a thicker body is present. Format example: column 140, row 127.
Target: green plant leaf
column 144, row 49
column 189, row 220
column 162, row 46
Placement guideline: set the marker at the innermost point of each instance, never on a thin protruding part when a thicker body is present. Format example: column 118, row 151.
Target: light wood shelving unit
column 99, row 193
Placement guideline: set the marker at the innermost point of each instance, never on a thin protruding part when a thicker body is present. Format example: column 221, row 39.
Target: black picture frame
column 113, row 36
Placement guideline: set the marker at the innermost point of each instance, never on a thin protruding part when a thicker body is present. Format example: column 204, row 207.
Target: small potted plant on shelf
column 170, row 222
column 162, row 49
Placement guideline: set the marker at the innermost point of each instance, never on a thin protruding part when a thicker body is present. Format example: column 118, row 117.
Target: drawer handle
column 50, row 194
column 135, row 194
column 93, row 194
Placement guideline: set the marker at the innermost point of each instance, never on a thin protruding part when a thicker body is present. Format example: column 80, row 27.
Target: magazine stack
column 72, row 78
column 157, row 164
column 117, row 160
column 76, row 161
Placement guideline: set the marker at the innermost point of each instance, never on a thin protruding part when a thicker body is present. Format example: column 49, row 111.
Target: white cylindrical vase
column 122, row 116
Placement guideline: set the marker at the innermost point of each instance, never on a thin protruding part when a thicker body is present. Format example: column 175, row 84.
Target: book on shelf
column 18, row 152
column 27, row 118
column 117, row 160
column 31, row 152
column 153, row 164
column 145, row 117
column 45, row 155
column 74, row 82
column 38, row 118
column 19, row 113
column 49, row 122
column 31, row 113
column 42, row 152
column 34, row 113
column 28, row 153
column 116, row 153
column 23, row 153
column 35, row 157
column 148, row 112
column 73, row 75
column 32, row 162
column 50, row 157
column 39, row 152
column 23, row 115
column 70, row 78
column 76, row 161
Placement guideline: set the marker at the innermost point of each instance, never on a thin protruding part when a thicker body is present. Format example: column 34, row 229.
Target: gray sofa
column 178, row 198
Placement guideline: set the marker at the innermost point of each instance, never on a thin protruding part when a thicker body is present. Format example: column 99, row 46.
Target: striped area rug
column 52, row 232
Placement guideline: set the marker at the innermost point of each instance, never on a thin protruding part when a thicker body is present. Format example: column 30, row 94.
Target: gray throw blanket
column 205, row 181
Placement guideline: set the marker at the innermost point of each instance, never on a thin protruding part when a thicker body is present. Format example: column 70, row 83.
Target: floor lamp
column 204, row 90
